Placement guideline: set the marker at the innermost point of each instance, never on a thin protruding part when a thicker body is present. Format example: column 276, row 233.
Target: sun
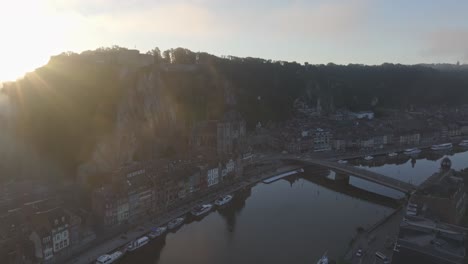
column 29, row 36
column 12, row 67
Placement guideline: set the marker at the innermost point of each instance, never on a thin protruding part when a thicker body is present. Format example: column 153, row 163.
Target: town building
column 454, row 130
column 409, row 138
column 213, row 176
column 129, row 197
column 339, row 144
column 121, row 56
column 231, row 134
column 50, row 230
column 292, row 146
column 179, row 182
column 422, row 240
column 224, row 137
column 110, row 206
column 228, row 169
column 463, row 127
column 381, row 140
column 322, row 140
column 367, row 143
column 34, row 226
column 195, row 181
column 204, row 136
column 441, row 197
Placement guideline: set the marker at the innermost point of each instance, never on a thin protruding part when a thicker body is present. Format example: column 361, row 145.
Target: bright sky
column 316, row 31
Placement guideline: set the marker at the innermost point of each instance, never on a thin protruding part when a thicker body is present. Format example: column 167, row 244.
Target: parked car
column 359, row 253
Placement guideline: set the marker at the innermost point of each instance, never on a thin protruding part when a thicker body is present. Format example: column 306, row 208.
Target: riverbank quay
column 340, row 155
column 90, row 255
column 334, row 156
column 378, row 238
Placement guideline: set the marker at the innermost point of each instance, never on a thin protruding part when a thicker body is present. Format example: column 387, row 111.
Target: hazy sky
column 316, row 31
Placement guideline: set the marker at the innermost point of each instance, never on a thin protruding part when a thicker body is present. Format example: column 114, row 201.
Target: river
column 412, row 169
column 293, row 220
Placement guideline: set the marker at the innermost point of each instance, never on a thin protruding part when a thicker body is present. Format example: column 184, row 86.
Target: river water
column 293, row 220
column 412, row 169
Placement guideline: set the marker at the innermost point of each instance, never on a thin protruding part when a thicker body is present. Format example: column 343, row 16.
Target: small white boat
column 157, row 231
column 368, row 157
column 392, row 154
column 323, row 259
column 136, row 244
column 412, row 151
column 223, row 200
column 200, row 210
column 109, row 258
column 464, row 143
column 174, row 223
column 442, row 146
column 342, row 161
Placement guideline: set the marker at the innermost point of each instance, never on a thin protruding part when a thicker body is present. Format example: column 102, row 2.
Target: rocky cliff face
column 151, row 116
column 91, row 115
column 143, row 113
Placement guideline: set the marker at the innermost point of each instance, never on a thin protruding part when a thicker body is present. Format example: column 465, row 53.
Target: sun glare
column 29, row 37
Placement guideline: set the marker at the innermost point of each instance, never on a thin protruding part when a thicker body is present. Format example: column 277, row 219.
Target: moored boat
column 442, row 146
column 342, row 161
column 464, row 143
column 392, row 154
column 109, row 258
column 174, row 223
column 412, row 151
column 368, row 157
column 223, row 200
column 136, row 244
column 157, row 231
column 200, row 210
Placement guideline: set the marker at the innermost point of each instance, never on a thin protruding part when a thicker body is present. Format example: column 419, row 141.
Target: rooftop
column 442, row 184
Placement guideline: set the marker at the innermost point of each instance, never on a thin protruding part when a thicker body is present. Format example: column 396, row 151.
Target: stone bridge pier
column 342, row 177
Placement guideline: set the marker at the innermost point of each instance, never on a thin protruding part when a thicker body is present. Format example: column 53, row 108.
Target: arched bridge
column 360, row 173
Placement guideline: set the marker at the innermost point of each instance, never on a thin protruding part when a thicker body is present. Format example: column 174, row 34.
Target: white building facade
column 213, row 176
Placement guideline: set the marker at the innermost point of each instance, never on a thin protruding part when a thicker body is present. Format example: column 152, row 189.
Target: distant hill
column 447, row 66
column 99, row 104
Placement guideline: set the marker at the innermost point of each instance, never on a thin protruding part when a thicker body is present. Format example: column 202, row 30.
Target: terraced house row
column 141, row 191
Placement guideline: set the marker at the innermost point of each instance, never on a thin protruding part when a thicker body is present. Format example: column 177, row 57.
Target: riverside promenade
column 90, row 255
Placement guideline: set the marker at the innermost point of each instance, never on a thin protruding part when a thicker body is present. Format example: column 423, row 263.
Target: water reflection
column 230, row 212
column 350, row 190
column 412, row 169
column 401, row 158
column 289, row 221
column 293, row 220
column 415, row 169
